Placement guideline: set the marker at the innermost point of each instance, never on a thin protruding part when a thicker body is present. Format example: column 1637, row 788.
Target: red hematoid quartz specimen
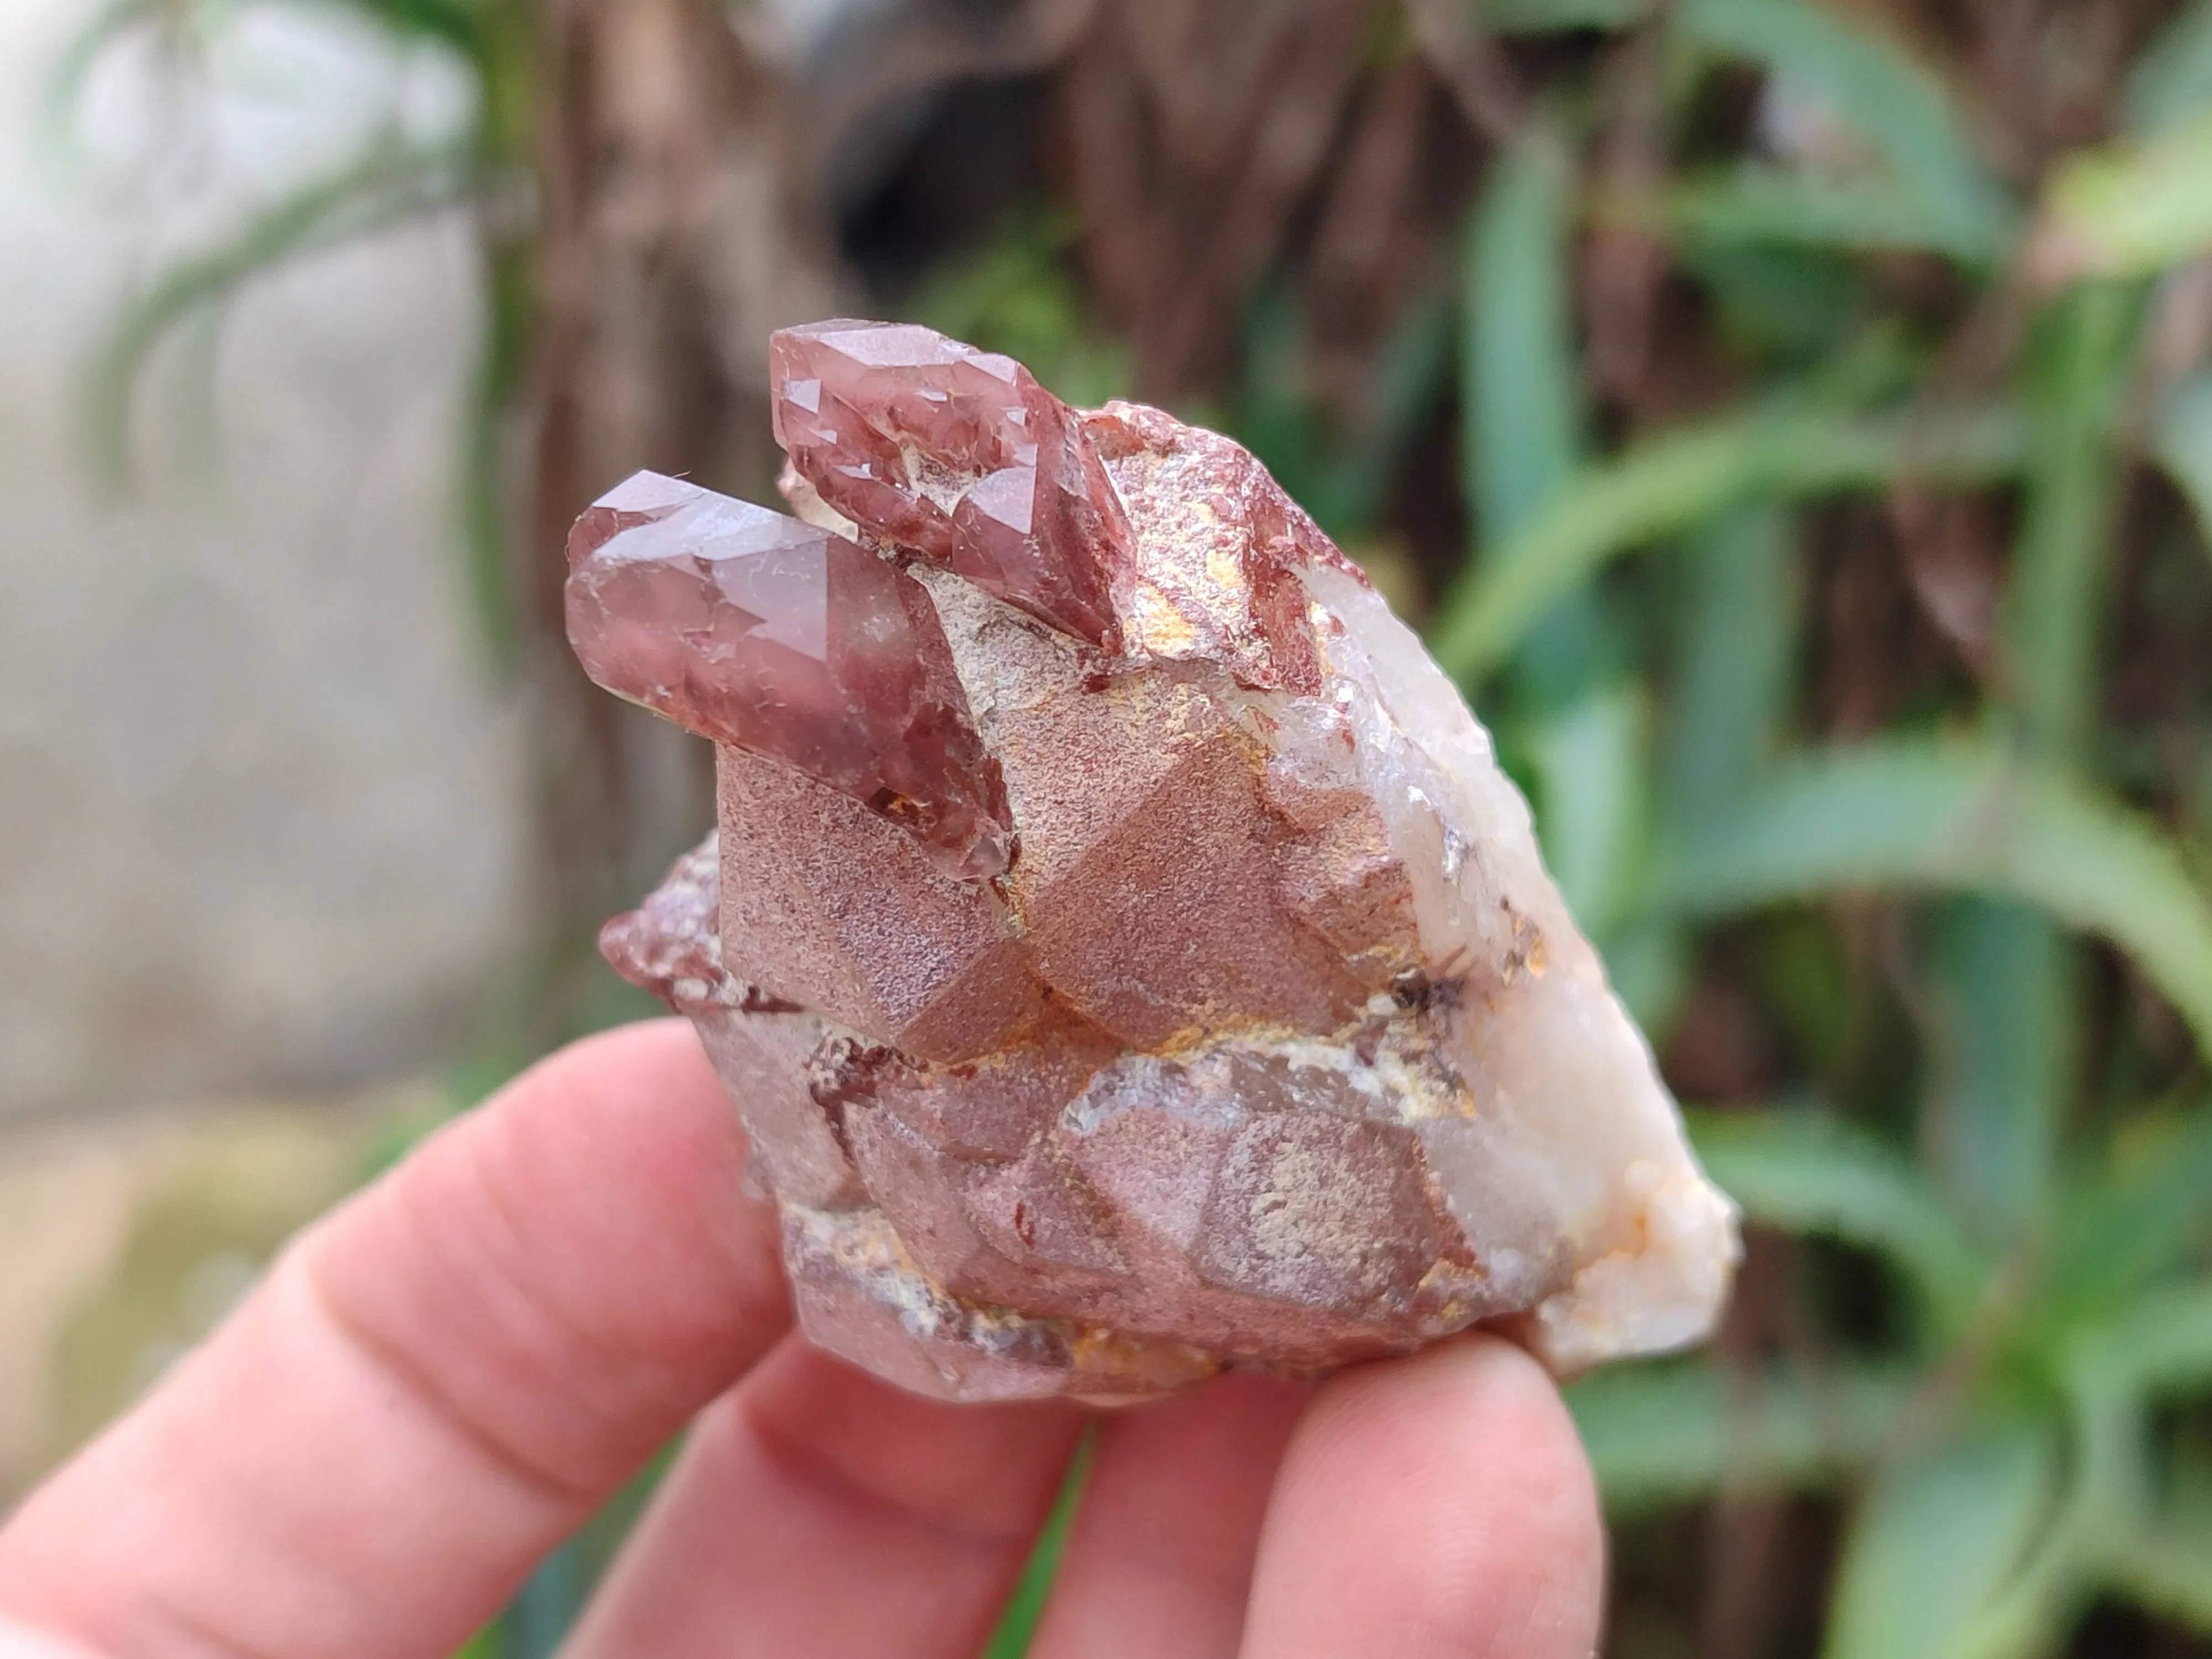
column 1118, row 938
column 763, row 632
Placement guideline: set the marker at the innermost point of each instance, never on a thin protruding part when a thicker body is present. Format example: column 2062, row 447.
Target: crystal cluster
column 1118, row 939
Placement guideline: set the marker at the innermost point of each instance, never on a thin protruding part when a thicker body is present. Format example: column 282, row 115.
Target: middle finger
column 1159, row 1562
column 815, row 1510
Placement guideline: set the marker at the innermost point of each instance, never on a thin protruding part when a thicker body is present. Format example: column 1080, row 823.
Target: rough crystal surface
column 1269, row 1042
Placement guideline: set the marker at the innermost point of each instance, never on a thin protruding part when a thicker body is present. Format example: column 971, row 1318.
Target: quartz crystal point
column 1123, row 948
column 764, row 632
column 956, row 455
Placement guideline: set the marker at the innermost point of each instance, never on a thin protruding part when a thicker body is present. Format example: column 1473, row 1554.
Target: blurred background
column 1790, row 420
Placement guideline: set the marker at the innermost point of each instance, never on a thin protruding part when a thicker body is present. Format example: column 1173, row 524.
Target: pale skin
column 438, row 1382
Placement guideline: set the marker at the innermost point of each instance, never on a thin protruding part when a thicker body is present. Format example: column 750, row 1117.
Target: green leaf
column 1666, row 1433
column 388, row 183
column 1682, row 477
column 73, row 65
column 2080, row 352
column 2136, row 1221
column 1650, row 961
column 1556, row 16
column 544, row 1609
column 2002, row 998
column 1759, row 202
column 2182, row 443
column 1808, row 1173
column 1520, row 391
column 1919, row 815
column 1026, row 1609
column 1895, row 105
column 2005, row 985
column 2145, row 1528
column 1804, row 982
column 2159, row 1343
column 1590, row 767
column 1340, row 477
column 2173, row 79
column 483, row 498
column 1938, row 1539
column 2130, row 207
column 1017, row 294
column 1734, row 661
column 1772, row 299
column 450, row 23
column 1521, row 387
column 1275, row 414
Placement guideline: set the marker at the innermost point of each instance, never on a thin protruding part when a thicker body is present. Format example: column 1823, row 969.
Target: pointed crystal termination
column 1275, row 1047
column 957, row 456
column 759, row 631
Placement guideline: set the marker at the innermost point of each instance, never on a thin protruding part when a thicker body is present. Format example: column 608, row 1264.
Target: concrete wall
column 261, row 805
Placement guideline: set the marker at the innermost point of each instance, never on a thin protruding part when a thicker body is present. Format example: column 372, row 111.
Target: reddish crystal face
column 755, row 630
column 959, row 457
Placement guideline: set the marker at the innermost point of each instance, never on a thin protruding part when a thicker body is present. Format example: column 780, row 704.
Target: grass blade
column 2138, row 1222
column 1938, row 1538
column 1666, row 1433
column 544, row 1609
column 1026, row 1609
column 1734, row 665
column 1520, row 400
column 1556, row 16
column 1896, row 106
column 2130, row 207
column 1683, row 477
column 2003, row 991
column 1520, row 382
column 2004, row 982
column 2182, row 445
column 389, row 183
column 1589, row 762
column 1758, row 203
column 2055, row 602
column 2162, row 1344
column 1917, row 815
column 1808, row 1173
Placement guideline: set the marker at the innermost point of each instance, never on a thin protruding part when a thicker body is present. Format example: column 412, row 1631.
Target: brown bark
column 1196, row 133
column 671, row 242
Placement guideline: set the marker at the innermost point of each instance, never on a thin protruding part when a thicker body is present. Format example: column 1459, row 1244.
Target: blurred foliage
column 2031, row 1172
column 207, row 1209
column 1025, row 1610
column 1019, row 294
column 1973, row 885
column 1850, row 627
column 394, row 177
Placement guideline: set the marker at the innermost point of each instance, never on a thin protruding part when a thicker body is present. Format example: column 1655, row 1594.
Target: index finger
column 433, row 1386
column 1434, row 1507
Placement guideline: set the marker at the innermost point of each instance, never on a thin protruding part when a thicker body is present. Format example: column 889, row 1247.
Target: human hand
column 439, row 1382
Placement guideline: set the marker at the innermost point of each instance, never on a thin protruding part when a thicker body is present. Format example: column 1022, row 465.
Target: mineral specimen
column 1118, row 939
column 769, row 635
